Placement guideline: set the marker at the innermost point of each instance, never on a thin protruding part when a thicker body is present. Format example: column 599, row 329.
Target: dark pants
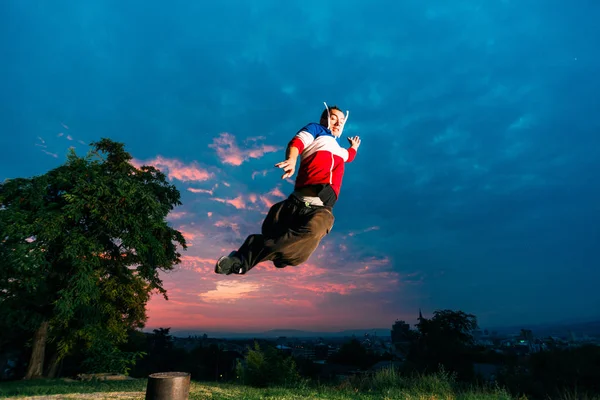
column 291, row 232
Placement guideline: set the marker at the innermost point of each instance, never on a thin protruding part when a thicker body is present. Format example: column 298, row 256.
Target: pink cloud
column 175, row 215
column 277, row 193
column 198, row 264
column 238, row 202
column 228, row 224
column 267, row 201
column 190, row 234
column 230, row 153
column 176, row 169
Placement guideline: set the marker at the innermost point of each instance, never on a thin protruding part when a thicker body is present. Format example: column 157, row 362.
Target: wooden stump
column 168, row 386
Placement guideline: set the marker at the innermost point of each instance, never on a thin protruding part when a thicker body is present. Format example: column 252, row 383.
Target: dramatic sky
column 475, row 188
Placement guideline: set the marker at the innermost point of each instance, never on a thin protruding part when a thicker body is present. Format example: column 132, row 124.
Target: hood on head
column 328, row 123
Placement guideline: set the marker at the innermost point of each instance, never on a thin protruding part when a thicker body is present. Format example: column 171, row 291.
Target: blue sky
column 475, row 187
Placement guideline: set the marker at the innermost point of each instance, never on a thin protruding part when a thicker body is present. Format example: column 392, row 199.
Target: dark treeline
column 441, row 342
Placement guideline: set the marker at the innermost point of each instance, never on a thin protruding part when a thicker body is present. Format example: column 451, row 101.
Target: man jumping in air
column 294, row 227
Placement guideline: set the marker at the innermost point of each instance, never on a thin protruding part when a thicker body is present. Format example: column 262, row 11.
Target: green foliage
column 268, row 367
column 106, row 357
column 446, row 340
column 82, row 245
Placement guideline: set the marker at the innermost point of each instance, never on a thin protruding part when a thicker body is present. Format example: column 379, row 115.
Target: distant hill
column 290, row 333
column 564, row 328
column 579, row 328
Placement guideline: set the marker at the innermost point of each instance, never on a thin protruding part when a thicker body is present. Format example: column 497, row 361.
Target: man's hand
column 289, row 166
column 354, row 142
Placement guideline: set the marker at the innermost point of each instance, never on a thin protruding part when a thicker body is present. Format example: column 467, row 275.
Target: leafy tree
column 447, row 340
column 81, row 250
column 267, row 367
column 355, row 354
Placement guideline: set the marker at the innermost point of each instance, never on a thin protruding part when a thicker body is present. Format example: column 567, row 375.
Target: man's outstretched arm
column 289, row 165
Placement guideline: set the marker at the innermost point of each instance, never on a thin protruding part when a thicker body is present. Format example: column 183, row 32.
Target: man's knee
column 321, row 222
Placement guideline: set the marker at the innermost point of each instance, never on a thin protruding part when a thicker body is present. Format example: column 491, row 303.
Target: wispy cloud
column 228, row 223
column 199, row 264
column 190, row 233
column 230, row 153
column 176, row 169
column 51, row 154
column 238, row 202
column 263, row 173
column 276, row 192
column 176, row 215
column 195, row 190
column 369, row 229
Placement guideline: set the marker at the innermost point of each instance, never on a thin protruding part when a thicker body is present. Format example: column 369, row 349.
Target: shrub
column 268, row 367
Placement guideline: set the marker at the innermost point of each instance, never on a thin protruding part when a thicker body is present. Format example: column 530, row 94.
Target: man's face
column 336, row 122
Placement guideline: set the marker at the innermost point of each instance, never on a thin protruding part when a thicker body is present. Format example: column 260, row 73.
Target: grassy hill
column 384, row 385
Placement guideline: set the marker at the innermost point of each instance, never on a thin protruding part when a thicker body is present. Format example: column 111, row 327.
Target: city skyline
column 474, row 189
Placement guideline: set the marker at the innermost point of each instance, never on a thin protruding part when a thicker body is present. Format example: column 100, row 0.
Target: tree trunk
column 52, row 368
column 35, row 369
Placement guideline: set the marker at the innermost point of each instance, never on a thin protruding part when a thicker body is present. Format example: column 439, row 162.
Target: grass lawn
column 385, row 387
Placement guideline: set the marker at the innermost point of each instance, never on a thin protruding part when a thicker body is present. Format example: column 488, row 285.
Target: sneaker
column 228, row 264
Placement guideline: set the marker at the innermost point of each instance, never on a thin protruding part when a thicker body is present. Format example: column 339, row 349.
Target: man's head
column 334, row 119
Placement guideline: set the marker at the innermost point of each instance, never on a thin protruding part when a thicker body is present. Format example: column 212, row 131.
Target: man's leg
column 301, row 239
column 291, row 232
column 252, row 251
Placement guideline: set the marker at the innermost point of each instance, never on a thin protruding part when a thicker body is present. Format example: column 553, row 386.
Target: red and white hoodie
column 322, row 158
